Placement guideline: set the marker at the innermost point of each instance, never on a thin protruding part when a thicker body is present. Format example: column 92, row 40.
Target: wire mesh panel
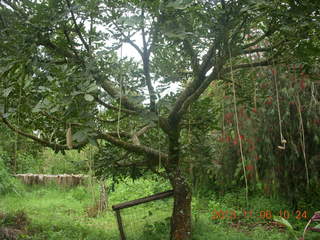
column 138, row 219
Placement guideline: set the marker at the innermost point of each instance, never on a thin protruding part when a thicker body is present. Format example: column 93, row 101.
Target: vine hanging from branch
column 237, row 125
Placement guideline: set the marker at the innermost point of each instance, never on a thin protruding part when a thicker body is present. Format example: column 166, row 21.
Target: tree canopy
column 65, row 82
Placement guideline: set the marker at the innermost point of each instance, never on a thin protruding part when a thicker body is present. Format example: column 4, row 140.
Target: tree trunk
column 182, row 194
column 181, row 216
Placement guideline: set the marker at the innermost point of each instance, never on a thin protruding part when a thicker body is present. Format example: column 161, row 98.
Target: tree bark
column 182, row 194
column 181, row 216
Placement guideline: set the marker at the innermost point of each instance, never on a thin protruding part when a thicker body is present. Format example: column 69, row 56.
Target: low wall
column 61, row 179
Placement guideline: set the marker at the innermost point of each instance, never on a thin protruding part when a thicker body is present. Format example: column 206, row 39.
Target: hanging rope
column 275, row 80
column 17, row 135
column 302, row 136
column 120, row 100
column 159, row 138
column 237, row 126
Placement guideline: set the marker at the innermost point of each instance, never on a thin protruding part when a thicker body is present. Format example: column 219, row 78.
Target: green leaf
column 45, row 103
column 80, row 136
column 283, row 221
column 7, row 91
column 92, row 87
column 180, row 4
column 93, row 142
column 317, row 226
column 88, row 97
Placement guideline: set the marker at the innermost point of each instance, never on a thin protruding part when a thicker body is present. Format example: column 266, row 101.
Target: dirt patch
column 12, row 225
column 267, row 225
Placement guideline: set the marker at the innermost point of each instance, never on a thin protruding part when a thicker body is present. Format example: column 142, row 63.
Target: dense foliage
column 66, row 83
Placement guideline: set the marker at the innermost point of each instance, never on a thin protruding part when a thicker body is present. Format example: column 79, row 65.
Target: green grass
column 61, row 213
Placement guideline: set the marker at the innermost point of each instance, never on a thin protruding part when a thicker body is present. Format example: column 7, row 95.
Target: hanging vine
column 120, row 98
column 302, row 134
column 237, row 126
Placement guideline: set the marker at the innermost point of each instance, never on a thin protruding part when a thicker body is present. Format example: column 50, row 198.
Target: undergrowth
column 54, row 212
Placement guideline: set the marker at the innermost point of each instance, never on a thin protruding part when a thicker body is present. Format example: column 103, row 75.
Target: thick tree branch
column 145, row 54
column 111, row 137
column 135, row 136
column 194, row 58
column 207, row 59
column 133, row 44
column 62, row 52
column 197, row 92
column 267, row 62
column 43, row 142
column 109, row 106
column 140, row 149
column 262, row 49
column 109, row 88
column 256, row 50
column 146, row 68
column 255, row 42
column 196, row 87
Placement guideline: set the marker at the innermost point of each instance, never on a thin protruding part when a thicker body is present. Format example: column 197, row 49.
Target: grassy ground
column 51, row 212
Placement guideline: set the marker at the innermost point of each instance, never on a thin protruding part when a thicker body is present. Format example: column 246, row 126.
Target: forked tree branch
column 146, row 67
column 43, row 142
column 110, row 137
column 135, row 136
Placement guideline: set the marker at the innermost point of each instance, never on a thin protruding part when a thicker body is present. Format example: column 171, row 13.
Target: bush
column 28, row 163
column 7, row 182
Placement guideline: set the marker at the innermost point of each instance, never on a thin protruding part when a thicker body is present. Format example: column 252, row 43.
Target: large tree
column 63, row 70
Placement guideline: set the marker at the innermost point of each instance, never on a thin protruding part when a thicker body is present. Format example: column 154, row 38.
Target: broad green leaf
column 80, row 136
column 88, row 97
column 27, row 82
column 283, row 221
column 7, row 91
column 92, row 87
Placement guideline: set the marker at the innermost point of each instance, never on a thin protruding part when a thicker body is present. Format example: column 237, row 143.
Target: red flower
column 249, row 168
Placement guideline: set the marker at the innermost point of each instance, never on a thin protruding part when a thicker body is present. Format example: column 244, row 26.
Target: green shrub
column 157, row 230
column 28, row 163
column 7, row 182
